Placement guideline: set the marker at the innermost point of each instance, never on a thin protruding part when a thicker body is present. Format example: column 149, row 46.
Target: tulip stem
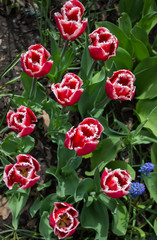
column 32, row 88
column 64, row 49
column 91, row 69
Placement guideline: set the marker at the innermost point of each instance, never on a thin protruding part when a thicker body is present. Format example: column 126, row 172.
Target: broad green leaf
column 146, row 64
column 140, row 34
column 148, row 21
column 48, row 203
column 106, row 151
column 132, row 8
column 16, row 203
column 120, row 219
column 109, row 202
column 122, row 165
column 44, row 226
column 146, row 7
column 44, row 185
column 27, row 83
column 122, row 60
column 13, row 145
column 143, row 109
column 96, row 217
column 97, row 181
column 84, row 186
column 35, row 206
column 140, row 231
column 124, row 41
column 155, row 226
column 63, row 155
column 140, row 50
column 86, row 62
column 72, row 164
column 98, row 77
column 146, row 89
column 125, row 23
column 154, row 155
column 151, row 184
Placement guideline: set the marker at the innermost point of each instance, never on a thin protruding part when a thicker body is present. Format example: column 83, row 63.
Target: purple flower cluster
column 146, row 168
column 136, row 189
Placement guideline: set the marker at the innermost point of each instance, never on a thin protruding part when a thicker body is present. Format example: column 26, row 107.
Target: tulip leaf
column 122, row 165
column 72, row 164
column 125, row 23
column 106, row 151
column 123, row 60
column 146, row 7
column 120, row 219
column 146, row 89
column 27, row 84
column 16, row 203
column 132, row 8
column 84, row 186
column 146, row 64
column 109, row 202
column 13, row 145
column 155, row 226
column 44, row 226
column 147, row 107
column 35, row 206
column 96, row 217
column 154, row 155
column 148, row 21
column 140, row 34
column 140, row 50
column 151, row 184
column 47, row 204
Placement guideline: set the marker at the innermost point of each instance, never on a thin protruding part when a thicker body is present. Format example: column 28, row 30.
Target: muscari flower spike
column 136, row 189
column 146, row 168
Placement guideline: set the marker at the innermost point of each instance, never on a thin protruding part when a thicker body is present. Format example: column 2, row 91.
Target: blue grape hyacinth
column 146, row 168
column 136, row 189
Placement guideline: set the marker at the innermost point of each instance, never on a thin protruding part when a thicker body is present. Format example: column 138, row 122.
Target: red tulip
column 22, row 173
column 21, row 121
column 121, row 85
column 115, row 183
column 103, row 44
column 63, row 220
column 69, row 23
column 83, row 139
column 68, row 92
column 35, row 61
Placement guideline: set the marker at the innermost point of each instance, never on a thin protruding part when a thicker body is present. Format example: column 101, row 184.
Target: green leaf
column 16, row 203
column 44, row 226
column 145, row 65
column 154, row 155
column 146, row 7
column 97, row 181
column 140, row 50
column 44, row 185
column 13, row 145
column 64, row 155
column 124, row 41
column 109, row 202
column 4, row 161
column 27, row 84
column 146, row 89
column 84, row 186
column 120, row 219
column 48, row 203
column 155, row 226
column 143, row 109
column 98, row 77
column 148, row 21
column 140, row 34
column 151, row 184
column 125, row 23
column 123, row 60
column 86, row 62
column 122, row 165
column 132, row 8
column 106, row 151
column 35, row 206
column 72, row 164
column 93, row 217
